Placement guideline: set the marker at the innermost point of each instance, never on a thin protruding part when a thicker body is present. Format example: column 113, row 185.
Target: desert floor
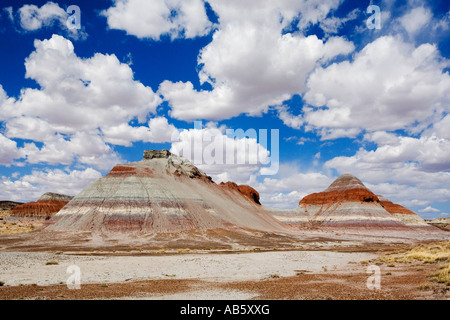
column 313, row 269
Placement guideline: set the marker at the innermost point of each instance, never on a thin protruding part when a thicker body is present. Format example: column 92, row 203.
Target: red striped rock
column 346, row 203
column 405, row 215
column 46, row 207
column 163, row 193
column 247, row 191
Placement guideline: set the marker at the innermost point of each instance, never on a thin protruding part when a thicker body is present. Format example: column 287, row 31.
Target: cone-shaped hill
column 346, row 203
column 163, row 193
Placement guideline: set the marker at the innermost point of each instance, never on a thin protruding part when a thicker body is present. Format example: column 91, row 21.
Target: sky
column 284, row 96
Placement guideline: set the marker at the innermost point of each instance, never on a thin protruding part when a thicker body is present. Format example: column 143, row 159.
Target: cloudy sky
column 81, row 91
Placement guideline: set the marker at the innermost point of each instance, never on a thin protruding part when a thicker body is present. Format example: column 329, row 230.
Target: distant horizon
column 358, row 87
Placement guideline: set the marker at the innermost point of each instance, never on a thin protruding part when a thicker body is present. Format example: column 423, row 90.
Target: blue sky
column 344, row 97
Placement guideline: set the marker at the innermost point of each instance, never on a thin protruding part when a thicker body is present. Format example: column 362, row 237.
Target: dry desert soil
column 317, row 268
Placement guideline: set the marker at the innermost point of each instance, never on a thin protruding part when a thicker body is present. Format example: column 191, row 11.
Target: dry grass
column 8, row 226
column 431, row 253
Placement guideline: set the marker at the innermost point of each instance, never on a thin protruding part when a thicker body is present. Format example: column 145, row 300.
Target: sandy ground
column 15, row 226
column 40, row 268
column 314, row 265
column 261, row 276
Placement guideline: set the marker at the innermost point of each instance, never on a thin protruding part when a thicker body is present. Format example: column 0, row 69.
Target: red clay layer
column 395, row 208
column 126, row 171
column 39, row 209
column 247, row 191
column 330, row 197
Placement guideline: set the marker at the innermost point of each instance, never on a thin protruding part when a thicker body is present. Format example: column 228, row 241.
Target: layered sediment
column 405, row 215
column 46, row 207
column 163, row 193
column 346, row 203
column 245, row 190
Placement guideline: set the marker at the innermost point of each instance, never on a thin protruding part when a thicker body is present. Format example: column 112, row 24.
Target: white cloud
column 8, row 150
column 332, row 25
column 224, row 156
column 389, row 85
column 33, row 18
column 290, row 120
column 31, row 187
column 429, row 209
column 287, row 189
column 82, row 105
column 83, row 147
column 250, row 63
column 153, row 19
column 9, row 13
column 158, row 131
column 415, row 20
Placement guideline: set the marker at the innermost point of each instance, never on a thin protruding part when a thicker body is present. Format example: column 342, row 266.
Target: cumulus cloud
column 30, row 187
column 226, row 154
column 153, row 19
column 32, row 18
column 8, row 150
column 251, row 64
column 290, row 120
column 331, row 25
column 158, row 131
column 82, row 105
column 285, row 190
column 429, row 209
column 389, row 85
column 415, row 20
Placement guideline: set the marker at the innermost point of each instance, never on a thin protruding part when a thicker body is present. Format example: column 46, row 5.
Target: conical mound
column 163, row 193
column 346, row 203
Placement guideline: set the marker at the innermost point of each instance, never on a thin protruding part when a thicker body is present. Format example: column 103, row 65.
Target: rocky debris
column 46, row 207
column 163, row 193
column 441, row 223
column 156, row 154
column 50, row 196
column 247, row 191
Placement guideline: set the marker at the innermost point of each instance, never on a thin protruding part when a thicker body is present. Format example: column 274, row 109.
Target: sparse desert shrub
column 431, row 253
column 2, row 283
column 51, row 263
column 427, row 254
column 443, row 275
column 424, row 287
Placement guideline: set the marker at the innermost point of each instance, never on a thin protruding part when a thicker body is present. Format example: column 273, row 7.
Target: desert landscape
column 224, row 157
column 161, row 229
